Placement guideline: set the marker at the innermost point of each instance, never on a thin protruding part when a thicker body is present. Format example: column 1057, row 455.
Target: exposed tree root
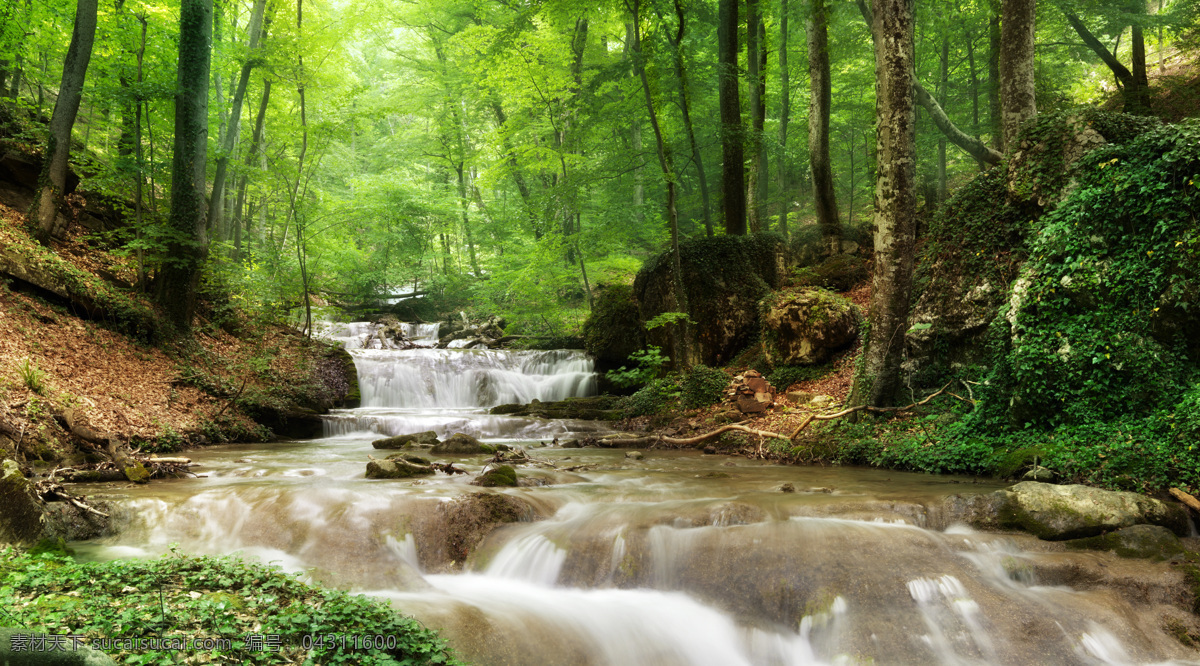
column 862, row 408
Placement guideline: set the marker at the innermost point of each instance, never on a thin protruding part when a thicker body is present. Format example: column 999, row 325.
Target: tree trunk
column 251, row 155
column 255, row 31
column 974, row 94
column 43, row 215
column 895, row 202
column 464, row 206
column 820, row 101
column 733, row 167
column 679, row 353
column 1141, row 79
column 685, row 106
column 187, row 220
column 785, row 110
column 1017, row 98
column 943, row 85
column 1128, row 81
column 756, row 53
column 995, row 127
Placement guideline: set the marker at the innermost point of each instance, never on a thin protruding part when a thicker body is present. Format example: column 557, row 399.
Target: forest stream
column 677, row 558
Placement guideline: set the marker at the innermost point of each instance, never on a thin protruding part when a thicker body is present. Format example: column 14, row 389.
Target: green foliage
column 785, row 375
column 31, row 375
column 652, row 398
column 702, row 386
column 667, row 319
column 188, row 597
column 650, row 363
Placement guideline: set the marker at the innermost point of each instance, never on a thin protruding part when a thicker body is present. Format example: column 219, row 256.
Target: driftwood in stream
column 1191, row 502
column 50, row 491
column 654, row 440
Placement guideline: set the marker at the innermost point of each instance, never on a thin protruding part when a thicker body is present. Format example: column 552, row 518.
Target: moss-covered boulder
column 408, row 457
column 614, row 329
column 725, row 278
column 593, row 408
column 414, row 440
column 841, row 272
column 1058, row 513
column 396, row 468
column 20, row 509
column 1142, row 541
column 461, row 444
column 806, row 326
column 15, row 649
column 135, row 471
column 497, row 476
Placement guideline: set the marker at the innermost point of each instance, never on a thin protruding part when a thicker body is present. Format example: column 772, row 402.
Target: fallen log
column 1191, row 502
column 654, row 440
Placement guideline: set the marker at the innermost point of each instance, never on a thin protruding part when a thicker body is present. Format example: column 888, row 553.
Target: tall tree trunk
column 756, row 53
column 464, row 208
column 187, row 221
column 895, row 202
column 1140, row 77
column 1132, row 84
column 943, row 86
column 820, row 101
column 733, row 167
column 635, row 137
column 140, row 161
column 1017, row 98
column 974, row 94
column 685, row 106
column 995, row 126
column 251, row 154
column 43, row 215
column 680, row 354
column 785, row 110
column 295, row 213
column 255, row 31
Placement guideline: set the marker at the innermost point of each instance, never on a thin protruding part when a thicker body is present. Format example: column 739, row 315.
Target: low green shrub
column 702, row 386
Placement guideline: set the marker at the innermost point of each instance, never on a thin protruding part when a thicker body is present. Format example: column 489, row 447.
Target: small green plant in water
column 32, row 376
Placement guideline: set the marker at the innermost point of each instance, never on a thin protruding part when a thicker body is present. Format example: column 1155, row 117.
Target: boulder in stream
column 20, row 511
column 396, row 468
column 497, row 476
column 1145, row 541
column 1056, row 513
column 416, row 439
column 460, row 444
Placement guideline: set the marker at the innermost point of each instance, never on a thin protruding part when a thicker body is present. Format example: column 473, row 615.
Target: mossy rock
column 841, row 272
column 418, row 439
column 806, row 326
column 410, row 458
column 55, row 545
column 136, row 472
column 84, row 656
column 1058, row 513
column 461, row 444
column 497, row 476
column 1139, row 541
column 353, row 397
column 396, row 469
column 20, row 510
column 614, row 328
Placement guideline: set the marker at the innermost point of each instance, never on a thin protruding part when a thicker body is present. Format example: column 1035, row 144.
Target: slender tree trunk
column 254, row 152
column 14, row 86
column 43, row 215
column 1017, row 98
column 995, row 126
column 943, row 86
column 785, row 110
column 756, row 53
column 141, row 163
column 187, row 221
column 255, row 31
column 895, row 202
column 295, row 212
column 680, row 354
column 733, row 167
column 820, row 101
column 1141, row 79
column 1130, row 83
column 635, row 139
column 685, row 106
column 974, row 95
column 464, row 206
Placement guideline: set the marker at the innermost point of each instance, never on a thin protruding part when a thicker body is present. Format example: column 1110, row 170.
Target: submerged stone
column 422, row 439
column 396, row 469
column 1058, row 513
column 1144, row 541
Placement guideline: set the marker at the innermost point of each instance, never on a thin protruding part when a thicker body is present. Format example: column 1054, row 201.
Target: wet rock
column 417, row 439
column 20, row 510
column 136, row 472
column 1144, row 541
column 396, row 469
column 83, row 656
column 465, row 521
column 799, row 397
column 1039, row 473
column 1058, row 513
column 67, row 521
column 458, row 443
column 710, row 450
column 572, row 444
column 408, row 457
column 634, row 455
column 787, row 488
column 594, row 408
column 497, row 476
column 532, row 482
column 807, row 326
column 614, row 329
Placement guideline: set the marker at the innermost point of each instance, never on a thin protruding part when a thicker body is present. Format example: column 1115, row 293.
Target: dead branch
column 233, row 399
column 1187, row 499
column 867, row 408
column 691, row 441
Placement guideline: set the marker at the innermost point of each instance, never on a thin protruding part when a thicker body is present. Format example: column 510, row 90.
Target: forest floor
column 152, row 396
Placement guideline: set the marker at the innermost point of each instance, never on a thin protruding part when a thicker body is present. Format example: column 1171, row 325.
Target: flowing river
column 679, row 558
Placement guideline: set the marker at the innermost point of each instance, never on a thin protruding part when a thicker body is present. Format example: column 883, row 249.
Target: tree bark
column 895, row 202
column 820, row 102
column 251, row 155
column 680, row 353
column 685, row 107
column 943, row 85
column 1017, row 98
column 785, row 110
column 995, row 126
column 43, row 215
column 187, row 220
column 974, row 94
column 733, row 176
column 255, row 31
column 756, row 52
column 1132, row 84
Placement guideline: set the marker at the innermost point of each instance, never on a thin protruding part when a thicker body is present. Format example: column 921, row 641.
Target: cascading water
column 676, row 559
